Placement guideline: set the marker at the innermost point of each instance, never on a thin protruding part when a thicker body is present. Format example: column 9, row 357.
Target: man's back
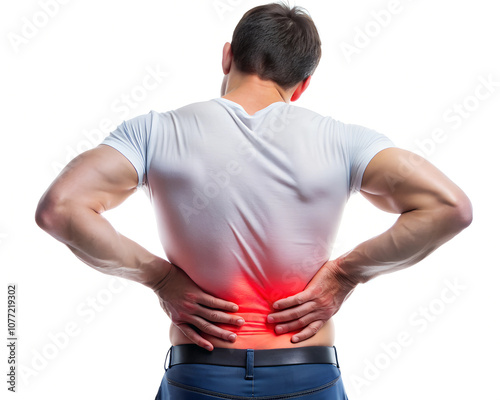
column 248, row 208
column 247, row 205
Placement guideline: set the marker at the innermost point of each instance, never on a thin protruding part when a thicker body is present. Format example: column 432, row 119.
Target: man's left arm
column 432, row 210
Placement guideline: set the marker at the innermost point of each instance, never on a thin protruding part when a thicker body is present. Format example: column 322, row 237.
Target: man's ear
column 301, row 88
column 227, row 58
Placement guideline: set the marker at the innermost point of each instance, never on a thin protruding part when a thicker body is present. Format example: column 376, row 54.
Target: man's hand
column 188, row 306
column 311, row 308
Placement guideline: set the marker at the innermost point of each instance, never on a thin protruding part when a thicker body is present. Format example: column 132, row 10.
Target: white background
column 67, row 77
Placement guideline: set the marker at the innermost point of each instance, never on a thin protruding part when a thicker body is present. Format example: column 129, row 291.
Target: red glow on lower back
column 255, row 304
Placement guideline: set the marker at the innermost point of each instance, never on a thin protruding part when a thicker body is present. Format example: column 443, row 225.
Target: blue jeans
column 209, row 382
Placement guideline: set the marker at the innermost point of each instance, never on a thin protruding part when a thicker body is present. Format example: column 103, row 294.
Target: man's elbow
column 461, row 214
column 44, row 216
column 49, row 215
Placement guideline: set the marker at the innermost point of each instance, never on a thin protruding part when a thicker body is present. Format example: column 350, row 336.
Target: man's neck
column 253, row 93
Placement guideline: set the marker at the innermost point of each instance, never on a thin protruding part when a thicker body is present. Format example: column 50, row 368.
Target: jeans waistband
column 193, row 354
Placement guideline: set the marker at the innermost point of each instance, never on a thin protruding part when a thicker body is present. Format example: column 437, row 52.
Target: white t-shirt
column 248, row 206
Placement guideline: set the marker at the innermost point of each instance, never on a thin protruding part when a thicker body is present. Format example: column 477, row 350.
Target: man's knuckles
column 191, row 297
column 325, row 301
column 189, row 306
column 215, row 317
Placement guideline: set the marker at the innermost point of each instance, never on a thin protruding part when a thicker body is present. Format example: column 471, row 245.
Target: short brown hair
column 277, row 43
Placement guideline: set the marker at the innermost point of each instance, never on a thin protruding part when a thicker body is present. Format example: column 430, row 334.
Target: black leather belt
column 193, row 354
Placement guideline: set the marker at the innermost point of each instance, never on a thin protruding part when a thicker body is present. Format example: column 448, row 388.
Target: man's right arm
column 432, row 210
column 71, row 210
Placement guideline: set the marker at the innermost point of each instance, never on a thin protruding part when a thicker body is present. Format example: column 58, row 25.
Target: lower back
column 260, row 340
column 255, row 304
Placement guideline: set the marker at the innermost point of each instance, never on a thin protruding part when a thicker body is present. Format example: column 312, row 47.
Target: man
column 248, row 192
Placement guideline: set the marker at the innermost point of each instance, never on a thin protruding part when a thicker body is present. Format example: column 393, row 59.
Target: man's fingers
column 211, row 329
column 219, row 304
column 307, row 332
column 298, row 323
column 291, row 314
column 221, row 317
column 295, row 300
column 213, row 314
column 192, row 335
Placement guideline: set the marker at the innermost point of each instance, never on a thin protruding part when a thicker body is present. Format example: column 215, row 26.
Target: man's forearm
column 414, row 236
column 94, row 241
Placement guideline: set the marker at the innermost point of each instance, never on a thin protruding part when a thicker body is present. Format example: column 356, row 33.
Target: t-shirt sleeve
column 362, row 144
column 131, row 138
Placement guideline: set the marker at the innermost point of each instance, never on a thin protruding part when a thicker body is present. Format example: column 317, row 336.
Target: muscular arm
column 71, row 211
column 432, row 210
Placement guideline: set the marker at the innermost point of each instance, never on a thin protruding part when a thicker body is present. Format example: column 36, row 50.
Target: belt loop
column 249, row 364
column 336, row 358
column 169, row 360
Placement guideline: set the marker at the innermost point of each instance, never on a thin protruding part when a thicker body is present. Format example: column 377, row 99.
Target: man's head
column 276, row 43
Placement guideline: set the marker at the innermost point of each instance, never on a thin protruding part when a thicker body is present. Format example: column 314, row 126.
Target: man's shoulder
column 199, row 106
column 309, row 117
column 186, row 109
column 307, row 112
